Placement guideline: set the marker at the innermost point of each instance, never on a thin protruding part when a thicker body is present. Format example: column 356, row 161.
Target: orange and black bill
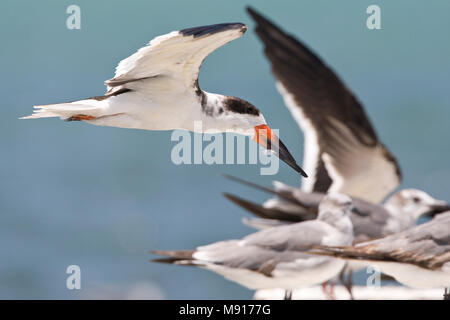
column 266, row 138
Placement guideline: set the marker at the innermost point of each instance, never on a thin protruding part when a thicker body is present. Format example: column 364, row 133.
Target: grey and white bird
column 275, row 257
column 157, row 88
column 418, row 257
column 370, row 221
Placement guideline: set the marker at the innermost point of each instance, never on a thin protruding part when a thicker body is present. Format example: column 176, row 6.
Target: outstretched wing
column 341, row 148
column 177, row 55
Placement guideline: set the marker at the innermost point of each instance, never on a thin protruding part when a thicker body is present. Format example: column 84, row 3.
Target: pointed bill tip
column 297, row 168
column 284, row 154
column 437, row 209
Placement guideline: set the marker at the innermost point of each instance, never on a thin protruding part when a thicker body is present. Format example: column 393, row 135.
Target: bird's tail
column 77, row 110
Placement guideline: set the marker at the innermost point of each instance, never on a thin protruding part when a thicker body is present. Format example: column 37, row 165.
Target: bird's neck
column 398, row 209
column 342, row 223
column 211, row 104
column 212, row 115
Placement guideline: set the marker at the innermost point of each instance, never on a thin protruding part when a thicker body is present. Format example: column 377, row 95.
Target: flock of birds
column 336, row 222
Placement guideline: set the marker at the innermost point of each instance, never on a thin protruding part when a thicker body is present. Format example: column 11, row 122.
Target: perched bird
column 275, row 257
column 157, row 88
column 418, row 257
column 370, row 221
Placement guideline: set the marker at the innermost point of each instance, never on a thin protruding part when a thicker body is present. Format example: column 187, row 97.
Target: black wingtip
column 252, row 207
column 211, row 29
column 259, row 18
column 250, row 184
column 252, row 12
column 249, row 9
column 282, row 195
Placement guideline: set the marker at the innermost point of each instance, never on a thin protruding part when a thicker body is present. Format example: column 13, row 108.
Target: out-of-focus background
column 100, row 198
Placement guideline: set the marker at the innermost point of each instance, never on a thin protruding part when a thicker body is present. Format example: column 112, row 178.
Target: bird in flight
column 342, row 151
column 157, row 88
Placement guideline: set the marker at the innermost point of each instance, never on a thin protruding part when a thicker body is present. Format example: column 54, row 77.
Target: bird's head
column 335, row 209
column 416, row 203
column 243, row 115
column 337, row 204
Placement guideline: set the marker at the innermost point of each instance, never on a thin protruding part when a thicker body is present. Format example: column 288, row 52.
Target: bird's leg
column 349, row 284
column 332, row 295
column 80, row 117
column 329, row 294
column 446, row 293
column 342, row 276
column 288, row 295
column 324, row 288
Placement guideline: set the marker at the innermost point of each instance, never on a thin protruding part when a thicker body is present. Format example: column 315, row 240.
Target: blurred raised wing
column 342, row 152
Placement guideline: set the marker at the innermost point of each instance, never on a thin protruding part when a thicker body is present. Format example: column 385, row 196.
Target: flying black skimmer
column 418, row 257
column 157, row 88
column 275, row 257
column 342, row 152
column 370, row 221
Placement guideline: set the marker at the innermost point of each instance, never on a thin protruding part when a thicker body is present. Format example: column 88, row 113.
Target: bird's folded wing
column 330, row 116
column 178, row 54
column 251, row 256
column 426, row 245
column 294, row 237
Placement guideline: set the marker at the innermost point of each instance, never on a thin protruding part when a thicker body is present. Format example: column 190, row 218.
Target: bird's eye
column 416, row 199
